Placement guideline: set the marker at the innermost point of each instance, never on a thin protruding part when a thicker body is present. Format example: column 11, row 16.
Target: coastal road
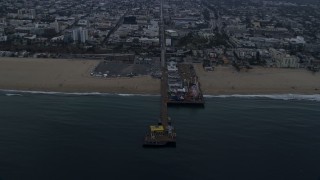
column 119, row 23
column 162, row 39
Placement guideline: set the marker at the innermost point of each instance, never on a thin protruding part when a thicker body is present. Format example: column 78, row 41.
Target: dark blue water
column 100, row 137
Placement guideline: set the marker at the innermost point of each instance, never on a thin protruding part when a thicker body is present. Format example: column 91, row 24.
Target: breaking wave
column 137, row 95
column 17, row 93
column 314, row 97
column 8, row 94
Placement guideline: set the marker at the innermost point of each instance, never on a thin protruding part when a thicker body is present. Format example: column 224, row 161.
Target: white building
column 27, row 13
column 172, row 33
column 80, row 34
column 56, row 26
column 298, row 41
column 83, row 35
column 75, row 35
column 149, row 41
column 168, row 42
column 284, row 60
column 3, row 22
column 172, row 66
column 83, row 22
column 3, row 38
column 58, row 38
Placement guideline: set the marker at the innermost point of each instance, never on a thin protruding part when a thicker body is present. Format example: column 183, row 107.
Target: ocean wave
column 136, row 95
column 12, row 92
column 16, row 92
column 8, row 94
column 313, row 97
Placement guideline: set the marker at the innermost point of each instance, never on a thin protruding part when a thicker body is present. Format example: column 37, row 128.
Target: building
column 3, row 38
column 3, row 22
column 26, row 13
column 83, row 22
column 284, row 60
column 171, row 33
column 83, row 35
column 75, row 35
column 56, row 26
column 80, row 35
column 172, row 66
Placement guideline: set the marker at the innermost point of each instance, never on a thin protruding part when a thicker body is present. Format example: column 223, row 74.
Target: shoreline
column 131, row 93
column 306, row 97
column 123, row 90
column 73, row 76
column 17, row 91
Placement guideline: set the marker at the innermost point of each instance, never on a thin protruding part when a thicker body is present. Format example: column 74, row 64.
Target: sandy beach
column 259, row 80
column 62, row 75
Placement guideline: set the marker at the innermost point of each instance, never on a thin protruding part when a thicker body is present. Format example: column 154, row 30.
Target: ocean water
column 99, row 136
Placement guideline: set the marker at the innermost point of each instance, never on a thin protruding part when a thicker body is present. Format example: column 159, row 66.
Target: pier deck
column 192, row 94
column 163, row 134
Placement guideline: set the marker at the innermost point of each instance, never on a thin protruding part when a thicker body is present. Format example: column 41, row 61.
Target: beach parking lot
column 117, row 69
